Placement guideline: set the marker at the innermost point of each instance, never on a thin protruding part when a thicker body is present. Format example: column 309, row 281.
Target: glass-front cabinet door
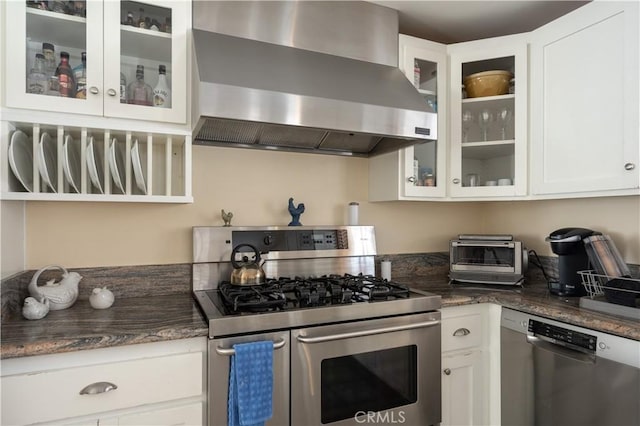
column 53, row 58
column 145, row 60
column 124, row 59
column 488, row 95
column 417, row 172
column 424, row 63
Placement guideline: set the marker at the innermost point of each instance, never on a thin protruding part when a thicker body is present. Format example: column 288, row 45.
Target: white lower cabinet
column 190, row 414
column 471, row 365
column 156, row 384
column 463, row 401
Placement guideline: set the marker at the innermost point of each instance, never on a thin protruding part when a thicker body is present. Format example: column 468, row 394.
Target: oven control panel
column 216, row 243
column 293, row 240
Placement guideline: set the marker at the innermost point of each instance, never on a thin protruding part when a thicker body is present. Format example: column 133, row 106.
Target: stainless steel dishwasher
column 554, row 373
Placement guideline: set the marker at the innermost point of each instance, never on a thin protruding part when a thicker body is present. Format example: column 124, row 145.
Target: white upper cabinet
column 488, row 139
column 118, row 37
column 417, row 172
column 585, row 95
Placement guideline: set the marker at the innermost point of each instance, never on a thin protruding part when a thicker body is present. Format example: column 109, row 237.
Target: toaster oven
column 487, row 259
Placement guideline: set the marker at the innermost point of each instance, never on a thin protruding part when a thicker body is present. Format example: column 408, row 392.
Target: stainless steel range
column 348, row 347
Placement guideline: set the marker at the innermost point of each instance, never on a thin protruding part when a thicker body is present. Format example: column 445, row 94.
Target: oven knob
column 447, row 371
column 602, row 345
column 268, row 239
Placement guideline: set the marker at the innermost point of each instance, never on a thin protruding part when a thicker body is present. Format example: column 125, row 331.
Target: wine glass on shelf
column 467, row 121
column 484, row 119
column 504, row 118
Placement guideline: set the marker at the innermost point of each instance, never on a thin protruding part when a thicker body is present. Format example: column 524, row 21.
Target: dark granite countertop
column 146, row 319
column 130, row 320
column 534, row 299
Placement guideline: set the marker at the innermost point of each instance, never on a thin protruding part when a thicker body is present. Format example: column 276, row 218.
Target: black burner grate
column 296, row 293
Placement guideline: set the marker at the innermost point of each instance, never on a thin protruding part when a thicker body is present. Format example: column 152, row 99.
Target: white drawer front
column 55, row 394
column 461, row 332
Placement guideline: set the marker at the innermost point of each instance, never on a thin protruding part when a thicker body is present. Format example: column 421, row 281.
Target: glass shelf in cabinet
column 487, row 150
column 146, row 44
column 56, row 28
column 488, row 98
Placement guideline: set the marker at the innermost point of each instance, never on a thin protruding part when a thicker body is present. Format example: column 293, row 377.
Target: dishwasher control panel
column 563, row 336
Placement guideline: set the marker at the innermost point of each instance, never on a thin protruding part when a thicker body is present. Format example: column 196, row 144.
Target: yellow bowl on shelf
column 487, row 83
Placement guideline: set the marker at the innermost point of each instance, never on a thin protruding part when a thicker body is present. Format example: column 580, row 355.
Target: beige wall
column 255, row 186
column 532, row 221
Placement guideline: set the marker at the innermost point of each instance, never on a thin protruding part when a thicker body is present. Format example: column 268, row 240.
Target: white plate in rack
column 116, row 164
column 71, row 162
column 21, row 159
column 47, row 159
column 94, row 165
column 138, row 171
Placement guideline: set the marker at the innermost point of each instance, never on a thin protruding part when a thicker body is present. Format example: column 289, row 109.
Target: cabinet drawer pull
column 629, row 166
column 111, row 92
column 456, row 181
column 411, row 179
column 461, row 332
column 447, row 371
column 94, row 90
column 98, row 387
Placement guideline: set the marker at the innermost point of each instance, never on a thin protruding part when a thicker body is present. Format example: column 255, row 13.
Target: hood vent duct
column 259, row 88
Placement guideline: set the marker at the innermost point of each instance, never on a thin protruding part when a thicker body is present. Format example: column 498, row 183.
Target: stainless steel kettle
column 247, row 272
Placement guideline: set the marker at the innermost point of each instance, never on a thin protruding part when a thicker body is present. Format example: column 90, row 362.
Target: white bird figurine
column 226, row 217
column 62, row 294
column 35, row 310
column 101, row 298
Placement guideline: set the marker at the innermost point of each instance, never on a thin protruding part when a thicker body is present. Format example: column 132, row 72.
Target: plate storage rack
column 56, row 162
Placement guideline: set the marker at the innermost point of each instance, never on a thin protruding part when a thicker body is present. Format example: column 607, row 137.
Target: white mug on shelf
column 491, row 183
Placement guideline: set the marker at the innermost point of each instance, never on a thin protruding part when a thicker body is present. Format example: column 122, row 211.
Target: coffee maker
column 572, row 257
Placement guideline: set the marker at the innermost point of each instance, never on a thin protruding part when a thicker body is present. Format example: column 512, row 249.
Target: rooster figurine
column 61, row 294
column 35, row 310
column 295, row 213
column 226, row 217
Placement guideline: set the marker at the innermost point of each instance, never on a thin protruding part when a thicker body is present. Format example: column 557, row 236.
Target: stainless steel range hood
column 304, row 76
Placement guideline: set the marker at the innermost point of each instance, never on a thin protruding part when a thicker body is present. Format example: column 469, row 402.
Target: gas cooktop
column 296, row 302
column 329, row 277
column 300, row 293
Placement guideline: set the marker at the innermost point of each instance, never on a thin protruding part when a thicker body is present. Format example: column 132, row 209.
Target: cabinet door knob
column 461, row 332
column 111, row 92
column 447, row 371
column 629, row 166
column 94, row 90
column 411, row 179
column 456, row 181
column 98, row 387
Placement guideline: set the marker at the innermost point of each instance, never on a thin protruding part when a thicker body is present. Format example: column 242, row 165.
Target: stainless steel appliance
column 304, row 76
column 559, row 374
column 487, row 259
column 348, row 347
column 572, row 258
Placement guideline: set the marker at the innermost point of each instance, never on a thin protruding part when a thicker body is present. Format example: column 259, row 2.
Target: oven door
column 375, row 371
column 220, row 351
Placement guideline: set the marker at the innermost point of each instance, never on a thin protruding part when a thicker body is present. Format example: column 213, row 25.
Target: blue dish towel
column 251, row 384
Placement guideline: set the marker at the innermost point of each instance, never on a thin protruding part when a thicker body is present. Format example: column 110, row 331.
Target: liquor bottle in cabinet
column 139, row 92
column 37, row 81
column 65, row 77
column 162, row 92
column 80, row 74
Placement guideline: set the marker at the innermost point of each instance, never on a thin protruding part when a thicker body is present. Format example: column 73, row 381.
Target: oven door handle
column 230, row 351
column 331, row 337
